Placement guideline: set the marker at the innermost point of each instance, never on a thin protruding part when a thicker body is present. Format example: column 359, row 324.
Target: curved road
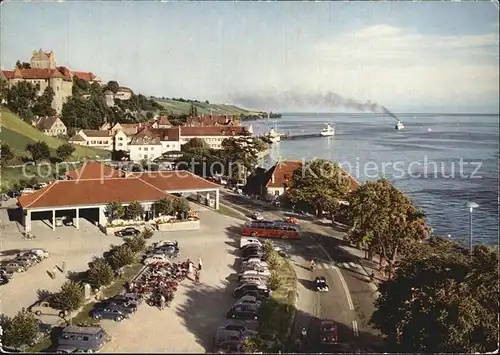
column 349, row 301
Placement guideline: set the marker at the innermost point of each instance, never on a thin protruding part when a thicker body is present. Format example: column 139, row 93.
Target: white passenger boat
column 399, row 125
column 328, row 131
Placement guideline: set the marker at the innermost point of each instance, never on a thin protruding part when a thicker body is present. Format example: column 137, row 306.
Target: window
column 139, row 148
column 86, row 338
column 120, row 144
column 145, row 148
column 276, row 193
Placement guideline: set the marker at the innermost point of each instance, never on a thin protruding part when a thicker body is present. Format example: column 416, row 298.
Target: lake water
column 439, row 161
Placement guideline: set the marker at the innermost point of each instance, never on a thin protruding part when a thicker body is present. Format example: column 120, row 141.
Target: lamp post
column 471, row 205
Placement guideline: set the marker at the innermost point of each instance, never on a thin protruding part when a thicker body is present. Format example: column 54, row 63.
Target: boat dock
column 299, row 136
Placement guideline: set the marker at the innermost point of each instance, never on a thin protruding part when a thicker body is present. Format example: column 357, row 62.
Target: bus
column 271, row 229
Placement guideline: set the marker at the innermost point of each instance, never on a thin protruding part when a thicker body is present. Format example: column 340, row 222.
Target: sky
column 280, row 56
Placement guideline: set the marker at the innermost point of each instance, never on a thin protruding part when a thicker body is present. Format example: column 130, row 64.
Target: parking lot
column 196, row 311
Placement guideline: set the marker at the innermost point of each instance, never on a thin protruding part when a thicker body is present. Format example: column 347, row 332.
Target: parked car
column 222, row 334
column 254, row 267
column 242, row 289
column 253, row 279
column 165, row 243
column 245, row 327
column 24, row 261
column 126, row 306
column 171, row 251
column 229, row 347
column 81, row 339
column 13, row 267
column 243, row 311
column 3, row 280
column 13, row 193
column 155, row 258
column 34, row 258
column 249, row 241
column 127, row 232
column 6, row 274
column 5, row 197
column 252, row 300
column 260, row 294
column 265, row 274
column 127, row 298
column 42, row 253
column 255, row 262
column 328, row 332
column 261, row 257
column 114, row 312
column 44, row 307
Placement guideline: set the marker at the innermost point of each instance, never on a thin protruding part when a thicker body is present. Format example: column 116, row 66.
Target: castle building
column 43, row 72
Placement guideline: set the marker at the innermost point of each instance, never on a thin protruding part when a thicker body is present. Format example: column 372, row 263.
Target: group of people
column 196, row 271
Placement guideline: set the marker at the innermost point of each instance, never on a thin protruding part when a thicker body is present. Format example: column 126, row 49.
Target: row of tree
column 177, row 206
column 23, row 99
column 237, row 158
column 438, row 297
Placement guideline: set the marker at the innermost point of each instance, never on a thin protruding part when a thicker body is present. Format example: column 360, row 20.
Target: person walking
column 199, row 263
column 312, row 264
column 197, row 276
column 162, row 302
column 372, row 276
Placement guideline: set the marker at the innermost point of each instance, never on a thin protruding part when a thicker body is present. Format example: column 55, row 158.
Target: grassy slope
column 17, row 133
column 177, row 107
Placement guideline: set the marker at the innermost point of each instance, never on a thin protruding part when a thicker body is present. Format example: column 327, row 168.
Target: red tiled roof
column 178, row 180
column 94, row 170
column 163, row 120
column 91, row 192
column 84, row 75
column 282, row 172
column 9, row 74
column 213, row 131
column 210, row 120
column 36, row 73
column 46, row 122
column 96, row 133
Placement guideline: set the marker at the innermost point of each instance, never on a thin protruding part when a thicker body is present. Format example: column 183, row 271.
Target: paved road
column 350, row 300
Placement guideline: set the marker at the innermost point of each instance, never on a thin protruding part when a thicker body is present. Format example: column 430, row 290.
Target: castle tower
column 43, row 60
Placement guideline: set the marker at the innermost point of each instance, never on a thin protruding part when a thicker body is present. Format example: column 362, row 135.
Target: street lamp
column 471, row 205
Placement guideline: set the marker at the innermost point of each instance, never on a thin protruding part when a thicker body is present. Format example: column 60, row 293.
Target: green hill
column 178, row 107
column 17, row 134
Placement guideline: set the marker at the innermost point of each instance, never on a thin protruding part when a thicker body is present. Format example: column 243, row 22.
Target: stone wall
column 179, row 226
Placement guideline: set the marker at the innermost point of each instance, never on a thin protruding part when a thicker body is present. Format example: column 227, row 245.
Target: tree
column 70, row 297
column 23, row 65
column 136, row 243
column 181, row 206
column 6, row 154
column 4, row 90
column 20, row 331
column 196, row 146
column 21, row 97
column 385, row 220
column 441, row 301
column 240, row 156
column 39, row 151
column 193, row 110
column 43, row 104
column 121, row 256
column 164, row 206
column 147, row 233
column 64, row 151
column 115, row 210
column 134, row 210
column 113, row 86
column 320, row 184
column 100, row 273
column 274, row 281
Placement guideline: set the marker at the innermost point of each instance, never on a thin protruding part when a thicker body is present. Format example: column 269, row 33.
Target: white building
column 93, row 138
column 151, row 143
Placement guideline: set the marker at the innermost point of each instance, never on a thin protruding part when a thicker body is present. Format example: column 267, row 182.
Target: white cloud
column 399, row 67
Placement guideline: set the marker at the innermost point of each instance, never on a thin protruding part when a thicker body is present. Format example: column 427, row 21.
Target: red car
column 329, row 332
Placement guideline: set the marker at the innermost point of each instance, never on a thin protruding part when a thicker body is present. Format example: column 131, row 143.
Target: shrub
column 268, row 248
column 121, row 257
column 274, row 282
column 147, row 233
column 70, row 297
column 100, row 273
column 252, row 345
column 274, row 260
column 137, row 243
column 181, row 206
column 20, row 331
column 164, row 206
column 134, row 210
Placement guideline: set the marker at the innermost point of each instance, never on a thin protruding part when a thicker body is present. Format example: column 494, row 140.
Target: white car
column 254, row 262
column 164, row 243
column 157, row 258
column 41, row 253
column 245, row 241
column 255, row 267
